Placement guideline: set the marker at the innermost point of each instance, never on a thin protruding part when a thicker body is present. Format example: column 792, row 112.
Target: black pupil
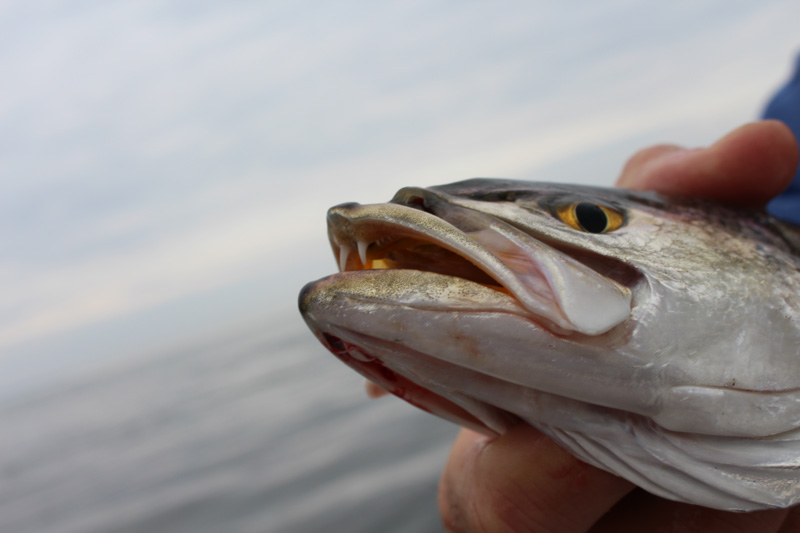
column 591, row 217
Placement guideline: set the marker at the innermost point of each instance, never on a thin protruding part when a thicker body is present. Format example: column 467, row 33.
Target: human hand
column 523, row 481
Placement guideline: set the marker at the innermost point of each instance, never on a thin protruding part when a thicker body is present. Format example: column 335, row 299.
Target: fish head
column 490, row 301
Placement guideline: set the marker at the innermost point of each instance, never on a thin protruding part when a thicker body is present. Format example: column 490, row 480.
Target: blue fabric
column 785, row 106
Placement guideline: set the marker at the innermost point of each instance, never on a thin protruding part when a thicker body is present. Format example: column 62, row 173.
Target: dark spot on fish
column 387, row 374
column 416, row 201
column 335, row 344
column 421, row 203
column 498, row 196
column 303, row 298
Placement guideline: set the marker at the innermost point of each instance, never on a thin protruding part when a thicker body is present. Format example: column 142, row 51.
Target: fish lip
column 411, row 289
column 304, row 298
column 364, row 229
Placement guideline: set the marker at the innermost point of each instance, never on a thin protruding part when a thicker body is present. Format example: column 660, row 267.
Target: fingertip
column 458, row 478
column 374, row 391
column 632, row 173
column 760, row 154
column 747, row 167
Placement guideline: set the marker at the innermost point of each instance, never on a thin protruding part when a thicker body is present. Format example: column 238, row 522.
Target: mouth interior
column 413, row 253
column 417, row 254
column 559, row 288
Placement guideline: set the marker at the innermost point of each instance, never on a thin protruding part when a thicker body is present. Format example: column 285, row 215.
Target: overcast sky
column 165, row 166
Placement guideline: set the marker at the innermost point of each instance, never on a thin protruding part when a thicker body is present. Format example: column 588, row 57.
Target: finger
column 747, row 167
column 374, row 391
column 641, row 511
column 522, row 481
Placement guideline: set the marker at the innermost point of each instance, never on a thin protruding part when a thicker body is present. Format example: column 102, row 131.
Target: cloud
column 160, row 150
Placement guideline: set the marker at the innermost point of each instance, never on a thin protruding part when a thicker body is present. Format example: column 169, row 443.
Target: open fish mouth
column 421, row 230
column 424, row 254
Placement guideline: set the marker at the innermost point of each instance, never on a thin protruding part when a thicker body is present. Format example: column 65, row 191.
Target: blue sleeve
column 785, row 106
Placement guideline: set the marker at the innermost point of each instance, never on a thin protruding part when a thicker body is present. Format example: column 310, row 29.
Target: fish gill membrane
column 656, row 338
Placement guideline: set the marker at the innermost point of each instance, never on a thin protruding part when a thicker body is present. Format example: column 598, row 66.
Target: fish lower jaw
column 491, row 420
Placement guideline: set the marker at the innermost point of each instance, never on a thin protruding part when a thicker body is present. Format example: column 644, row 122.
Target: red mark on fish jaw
column 374, row 370
column 341, row 348
column 334, row 344
column 365, row 364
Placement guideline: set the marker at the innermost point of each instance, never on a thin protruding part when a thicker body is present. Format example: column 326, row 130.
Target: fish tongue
column 547, row 282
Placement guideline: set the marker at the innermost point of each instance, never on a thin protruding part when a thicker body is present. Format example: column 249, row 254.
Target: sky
column 165, row 166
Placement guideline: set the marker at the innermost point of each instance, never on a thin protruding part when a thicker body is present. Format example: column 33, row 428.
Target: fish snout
column 305, row 297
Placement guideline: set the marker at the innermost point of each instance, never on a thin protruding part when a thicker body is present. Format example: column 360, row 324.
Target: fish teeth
column 362, row 251
column 344, row 253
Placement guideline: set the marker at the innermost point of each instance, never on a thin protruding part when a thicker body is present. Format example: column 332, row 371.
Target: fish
column 654, row 337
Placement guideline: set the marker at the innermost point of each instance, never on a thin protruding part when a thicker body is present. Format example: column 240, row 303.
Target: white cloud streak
column 150, row 150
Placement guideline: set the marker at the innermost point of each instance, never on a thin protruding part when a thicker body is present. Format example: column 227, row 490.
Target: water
column 255, row 430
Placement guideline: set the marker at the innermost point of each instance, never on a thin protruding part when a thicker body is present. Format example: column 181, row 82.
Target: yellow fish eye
column 590, row 217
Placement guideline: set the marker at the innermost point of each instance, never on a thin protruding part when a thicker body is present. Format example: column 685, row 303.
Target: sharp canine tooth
column 362, row 251
column 344, row 253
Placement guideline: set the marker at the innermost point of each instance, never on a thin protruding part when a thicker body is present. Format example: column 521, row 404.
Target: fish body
column 656, row 338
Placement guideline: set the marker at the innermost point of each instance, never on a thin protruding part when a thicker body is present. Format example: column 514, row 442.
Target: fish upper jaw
column 431, row 234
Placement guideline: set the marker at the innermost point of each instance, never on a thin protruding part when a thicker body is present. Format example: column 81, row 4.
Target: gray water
column 255, row 430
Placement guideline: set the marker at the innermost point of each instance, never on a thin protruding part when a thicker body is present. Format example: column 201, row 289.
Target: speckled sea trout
column 655, row 338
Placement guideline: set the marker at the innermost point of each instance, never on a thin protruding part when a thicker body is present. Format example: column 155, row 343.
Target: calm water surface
column 257, row 430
